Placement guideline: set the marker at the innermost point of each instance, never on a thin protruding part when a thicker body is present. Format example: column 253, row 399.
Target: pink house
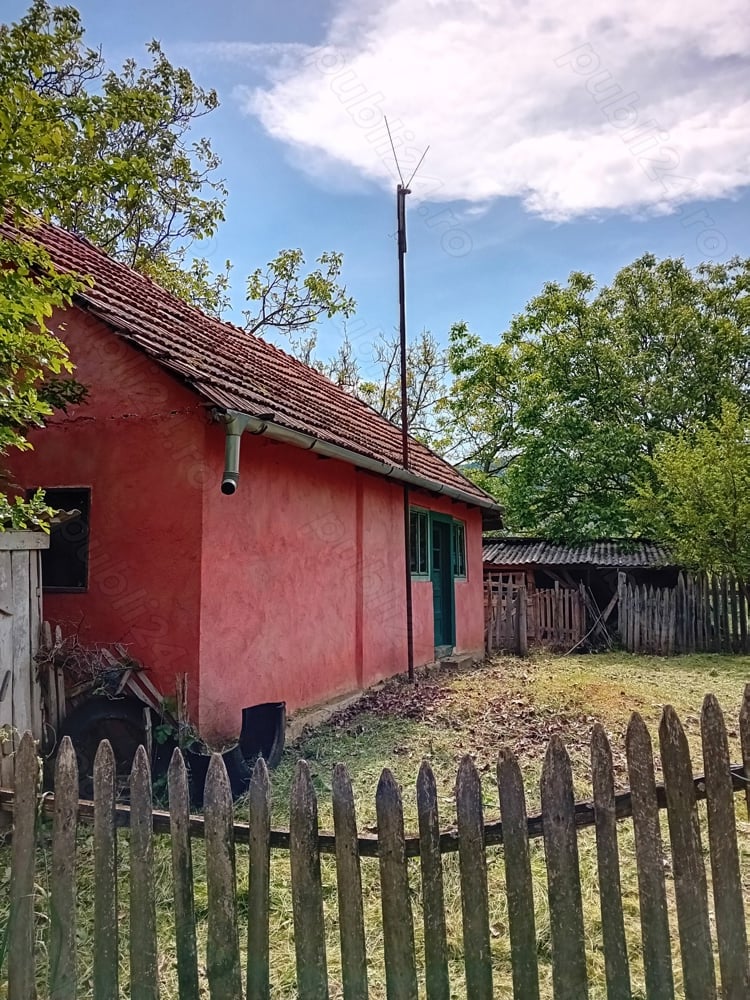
column 242, row 517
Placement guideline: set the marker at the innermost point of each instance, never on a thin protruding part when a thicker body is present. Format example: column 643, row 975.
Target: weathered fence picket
column 699, row 919
column 349, row 884
column 223, row 945
column 21, row 931
column 144, row 973
column 652, row 892
column 473, row 867
column 518, row 885
column 259, row 882
column 745, row 742
column 437, row 983
column 62, row 904
column 105, row 876
column 563, row 876
column 307, row 891
column 613, row 922
column 182, row 878
column 725, row 862
column 690, row 889
column 398, row 929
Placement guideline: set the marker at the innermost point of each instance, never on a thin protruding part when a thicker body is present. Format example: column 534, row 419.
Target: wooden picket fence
column 514, row 617
column 505, row 616
column 558, row 616
column 700, row 925
column 703, row 613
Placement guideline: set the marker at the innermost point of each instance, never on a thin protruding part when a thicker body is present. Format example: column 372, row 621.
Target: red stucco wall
column 303, row 593
column 137, row 442
column 290, row 590
column 278, row 580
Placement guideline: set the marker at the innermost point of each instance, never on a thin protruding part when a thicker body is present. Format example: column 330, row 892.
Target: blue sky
column 562, row 138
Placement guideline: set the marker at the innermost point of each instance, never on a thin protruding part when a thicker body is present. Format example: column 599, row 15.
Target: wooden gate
column 515, row 617
column 505, row 616
column 557, row 617
column 20, row 622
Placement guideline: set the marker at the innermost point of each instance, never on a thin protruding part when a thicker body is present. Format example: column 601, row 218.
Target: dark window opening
column 65, row 564
column 418, row 539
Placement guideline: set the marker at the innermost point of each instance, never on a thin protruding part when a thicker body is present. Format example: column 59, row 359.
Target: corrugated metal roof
column 230, row 368
column 606, row 552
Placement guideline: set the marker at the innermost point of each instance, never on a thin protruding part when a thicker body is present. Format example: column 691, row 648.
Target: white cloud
column 518, row 99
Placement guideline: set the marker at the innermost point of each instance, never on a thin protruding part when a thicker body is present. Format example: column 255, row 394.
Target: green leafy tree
column 119, row 165
column 566, row 411
column 105, row 155
column 698, row 500
column 293, row 304
column 34, row 364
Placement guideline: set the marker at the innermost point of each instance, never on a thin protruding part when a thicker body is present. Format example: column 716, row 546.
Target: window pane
column 418, row 542
column 436, row 548
column 459, row 550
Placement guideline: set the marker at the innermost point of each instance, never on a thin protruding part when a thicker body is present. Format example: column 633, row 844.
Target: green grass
column 505, row 702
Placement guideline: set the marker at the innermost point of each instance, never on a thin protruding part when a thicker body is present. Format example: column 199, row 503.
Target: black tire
column 197, row 761
column 119, row 720
column 264, row 732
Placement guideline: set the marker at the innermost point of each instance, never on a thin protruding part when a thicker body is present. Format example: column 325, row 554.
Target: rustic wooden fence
column 505, row 615
column 514, row 617
column 558, row 616
column 700, row 924
column 20, row 623
column 702, row 613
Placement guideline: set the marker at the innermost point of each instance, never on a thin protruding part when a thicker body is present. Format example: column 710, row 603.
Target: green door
column 441, row 574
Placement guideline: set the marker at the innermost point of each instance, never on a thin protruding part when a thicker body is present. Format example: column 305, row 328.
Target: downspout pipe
column 236, row 424
column 277, row 432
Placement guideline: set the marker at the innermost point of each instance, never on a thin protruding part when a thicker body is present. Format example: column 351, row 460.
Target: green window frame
column 459, row 550
column 419, row 541
column 420, row 533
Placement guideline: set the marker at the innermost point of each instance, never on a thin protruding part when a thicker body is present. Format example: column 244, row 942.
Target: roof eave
column 298, row 439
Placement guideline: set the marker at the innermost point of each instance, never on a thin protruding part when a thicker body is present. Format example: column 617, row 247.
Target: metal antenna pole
column 401, row 193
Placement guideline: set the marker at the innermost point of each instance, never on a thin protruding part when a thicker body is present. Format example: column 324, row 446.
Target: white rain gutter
column 238, row 422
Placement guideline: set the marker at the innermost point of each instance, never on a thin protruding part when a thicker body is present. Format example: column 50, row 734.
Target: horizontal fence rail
column 710, row 915
column 367, row 843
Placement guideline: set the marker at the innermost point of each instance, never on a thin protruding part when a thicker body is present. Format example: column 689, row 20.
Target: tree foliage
column 119, row 165
column 562, row 416
column 34, row 364
column 291, row 303
column 698, row 500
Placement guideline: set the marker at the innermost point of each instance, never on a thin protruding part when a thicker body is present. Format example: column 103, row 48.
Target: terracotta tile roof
column 605, row 552
column 232, row 369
